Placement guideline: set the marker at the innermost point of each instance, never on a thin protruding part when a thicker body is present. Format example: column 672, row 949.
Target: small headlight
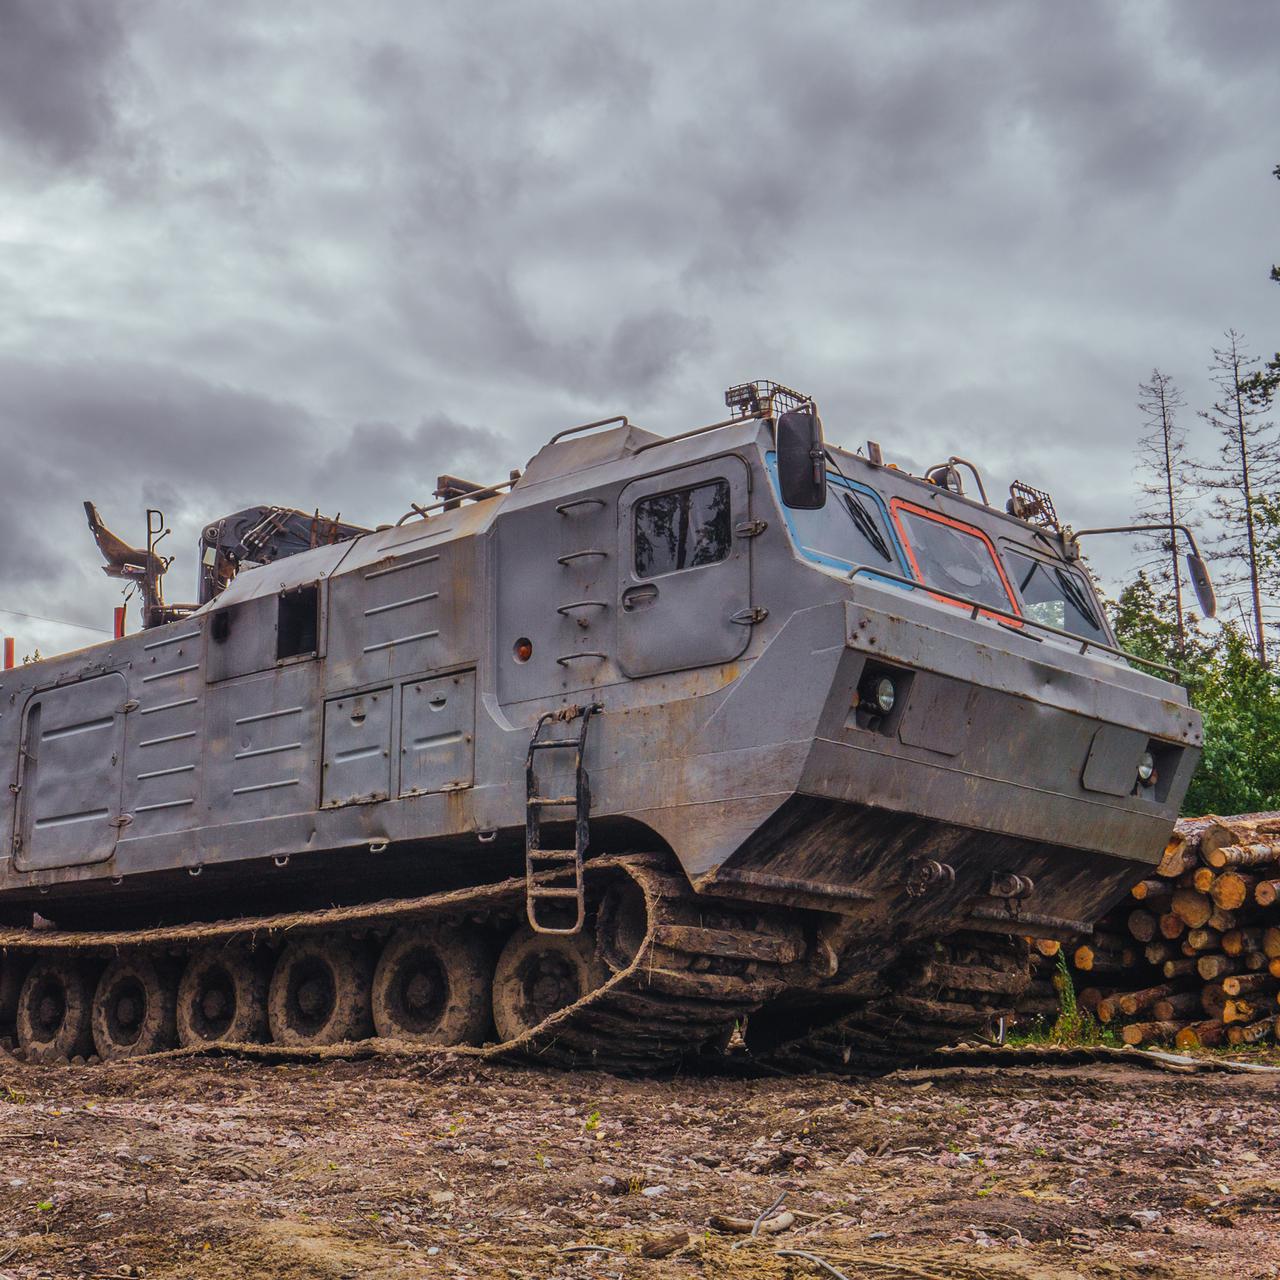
column 1146, row 768
column 883, row 694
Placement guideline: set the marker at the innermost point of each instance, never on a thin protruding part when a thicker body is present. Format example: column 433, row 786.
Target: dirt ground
column 449, row 1167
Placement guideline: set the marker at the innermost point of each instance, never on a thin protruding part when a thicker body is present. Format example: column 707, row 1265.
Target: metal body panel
column 262, row 744
column 164, row 737
column 689, row 617
column 410, row 611
column 556, row 566
column 437, row 734
column 243, row 639
column 357, row 748
column 1113, row 760
column 737, row 744
column 939, row 715
column 72, row 776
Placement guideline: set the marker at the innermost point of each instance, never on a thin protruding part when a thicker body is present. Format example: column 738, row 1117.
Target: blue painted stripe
column 834, row 562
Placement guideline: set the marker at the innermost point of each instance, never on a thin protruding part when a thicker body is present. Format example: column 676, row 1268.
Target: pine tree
column 1142, row 627
column 1267, row 382
column 1238, row 697
column 1162, row 471
column 1248, row 465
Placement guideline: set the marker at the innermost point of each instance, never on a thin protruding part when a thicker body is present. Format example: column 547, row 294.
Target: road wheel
column 13, row 971
column 55, row 1011
column 319, row 993
column 622, row 923
column 133, row 1009
column 539, row 974
column 433, row 983
column 223, row 997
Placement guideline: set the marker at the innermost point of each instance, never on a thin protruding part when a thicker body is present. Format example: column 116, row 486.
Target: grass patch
column 1074, row 1026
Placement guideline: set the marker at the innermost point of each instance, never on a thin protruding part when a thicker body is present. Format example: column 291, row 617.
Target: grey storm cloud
column 319, row 255
column 61, row 66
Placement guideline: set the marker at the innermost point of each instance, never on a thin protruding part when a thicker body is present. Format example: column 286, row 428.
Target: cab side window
column 683, row 529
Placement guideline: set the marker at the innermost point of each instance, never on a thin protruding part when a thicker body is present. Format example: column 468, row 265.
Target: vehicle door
column 684, row 588
column 71, row 780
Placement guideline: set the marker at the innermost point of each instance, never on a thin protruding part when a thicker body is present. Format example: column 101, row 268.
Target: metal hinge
column 750, row 528
column 749, row 617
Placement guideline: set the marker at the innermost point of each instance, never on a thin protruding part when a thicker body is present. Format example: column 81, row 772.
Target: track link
column 699, row 970
column 937, row 994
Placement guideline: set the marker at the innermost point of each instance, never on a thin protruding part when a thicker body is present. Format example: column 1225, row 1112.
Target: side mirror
column 802, row 463
column 1203, row 584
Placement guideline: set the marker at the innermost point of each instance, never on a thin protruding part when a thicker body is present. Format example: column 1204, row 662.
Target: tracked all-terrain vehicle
column 662, row 738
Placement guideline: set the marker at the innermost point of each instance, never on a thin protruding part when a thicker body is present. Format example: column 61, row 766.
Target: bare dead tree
column 1249, row 464
column 1161, row 476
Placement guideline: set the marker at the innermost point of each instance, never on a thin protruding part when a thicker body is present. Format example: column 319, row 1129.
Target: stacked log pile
column 1192, row 958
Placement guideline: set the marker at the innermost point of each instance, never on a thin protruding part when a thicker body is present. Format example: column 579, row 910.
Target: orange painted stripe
column 901, row 504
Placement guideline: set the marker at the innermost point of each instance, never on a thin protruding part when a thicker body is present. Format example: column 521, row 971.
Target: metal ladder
column 555, row 875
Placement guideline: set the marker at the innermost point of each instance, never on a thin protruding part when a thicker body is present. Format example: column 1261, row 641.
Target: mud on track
column 451, row 1167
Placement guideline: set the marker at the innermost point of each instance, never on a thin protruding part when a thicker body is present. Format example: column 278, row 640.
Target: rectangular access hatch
column 357, row 749
column 71, row 775
column 437, row 734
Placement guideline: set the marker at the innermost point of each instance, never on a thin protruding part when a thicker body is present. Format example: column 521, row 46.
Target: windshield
column 852, row 529
column 1055, row 595
column 953, row 557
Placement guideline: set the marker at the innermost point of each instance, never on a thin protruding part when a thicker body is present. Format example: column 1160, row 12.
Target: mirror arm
column 1196, row 566
column 1076, row 534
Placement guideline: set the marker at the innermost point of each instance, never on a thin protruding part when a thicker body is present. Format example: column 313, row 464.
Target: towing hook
column 925, row 873
column 1008, row 884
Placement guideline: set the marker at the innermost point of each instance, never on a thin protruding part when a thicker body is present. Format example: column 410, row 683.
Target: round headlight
column 883, row 694
column 1146, row 768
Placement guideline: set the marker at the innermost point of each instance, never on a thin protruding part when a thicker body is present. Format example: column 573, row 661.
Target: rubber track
column 945, row 991
column 673, row 999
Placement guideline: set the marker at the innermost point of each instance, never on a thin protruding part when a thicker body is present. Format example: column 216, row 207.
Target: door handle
column 641, row 597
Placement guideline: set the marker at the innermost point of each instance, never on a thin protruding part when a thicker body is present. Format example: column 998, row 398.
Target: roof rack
column 760, row 398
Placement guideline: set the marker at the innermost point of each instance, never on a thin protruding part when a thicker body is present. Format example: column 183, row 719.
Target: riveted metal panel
column 437, row 734
column 72, row 774
column 10, row 731
column 357, row 749
column 557, row 575
column 410, row 611
column 264, row 745
column 245, row 638
column 165, row 733
column 242, row 638
column 938, row 714
column 1112, row 766
column 693, row 617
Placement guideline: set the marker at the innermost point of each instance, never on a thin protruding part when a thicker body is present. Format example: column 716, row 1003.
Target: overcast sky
column 318, row 254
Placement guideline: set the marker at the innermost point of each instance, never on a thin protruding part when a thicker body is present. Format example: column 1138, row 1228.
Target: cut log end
column 1137, row 1033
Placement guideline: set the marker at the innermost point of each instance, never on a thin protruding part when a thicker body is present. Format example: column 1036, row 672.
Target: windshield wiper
column 1075, row 593
column 867, row 526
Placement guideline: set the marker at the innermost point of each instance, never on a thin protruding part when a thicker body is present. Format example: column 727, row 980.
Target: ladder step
column 553, row 742
column 554, row 855
column 553, row 801
column 537, row 891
